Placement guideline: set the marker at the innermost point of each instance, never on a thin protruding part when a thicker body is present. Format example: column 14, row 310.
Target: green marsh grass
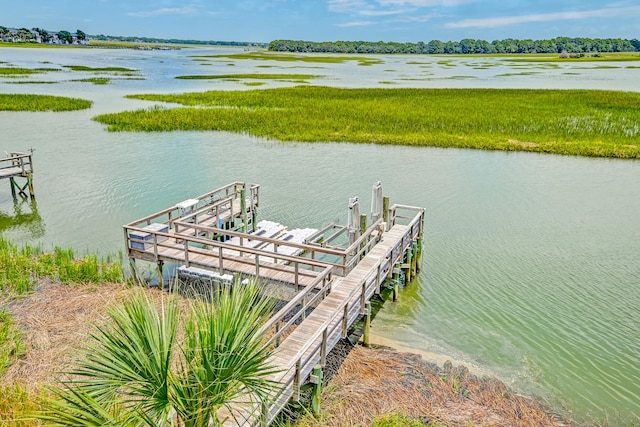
column 11, row 346
column 545, row 57
column 17, row 406
column 20, row 102
column 13, row 71
column 101, row 69
column 524, row 73
column 250, row 76
column 573, row 122
column 95, row 80
column 22, row 268
column 33, row 82
column 293, row 57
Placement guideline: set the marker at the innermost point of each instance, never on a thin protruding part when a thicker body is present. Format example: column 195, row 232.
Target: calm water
column 531, row 265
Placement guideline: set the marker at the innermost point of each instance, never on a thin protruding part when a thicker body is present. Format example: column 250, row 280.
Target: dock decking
column 217, row 232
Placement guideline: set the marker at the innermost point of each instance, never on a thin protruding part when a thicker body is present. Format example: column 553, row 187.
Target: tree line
column 465, row 46
column 134, row 39
column 38, row 35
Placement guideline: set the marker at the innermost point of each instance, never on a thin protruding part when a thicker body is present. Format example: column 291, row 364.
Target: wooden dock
column 333, row 284
column 18, row 165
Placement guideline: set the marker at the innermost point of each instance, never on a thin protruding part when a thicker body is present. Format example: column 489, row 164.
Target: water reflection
column 24, row 218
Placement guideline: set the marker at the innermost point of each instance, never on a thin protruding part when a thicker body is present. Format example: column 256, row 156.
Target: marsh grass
column 32, row 82
column 544, row 57
column 460, row 77
column 523, row 73
column 17, row 406
column 22, row 268
column 95, row 80
column 23, row 102
column 12, row 71
column 293, row 77
column 575, row 122
column 292, row 57
column 11, row 346
column 101, row 69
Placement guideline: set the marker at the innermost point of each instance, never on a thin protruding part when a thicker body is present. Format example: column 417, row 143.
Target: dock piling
column 316, row 379
column 367, row 324
column 385, row 212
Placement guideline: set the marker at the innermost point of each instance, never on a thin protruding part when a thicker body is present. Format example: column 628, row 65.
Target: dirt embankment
column 374, row 382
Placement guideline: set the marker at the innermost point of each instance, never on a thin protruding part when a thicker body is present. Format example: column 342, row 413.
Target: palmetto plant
column 152, row 366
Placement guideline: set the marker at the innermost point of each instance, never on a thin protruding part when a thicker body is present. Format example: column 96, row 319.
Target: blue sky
column 330, row 20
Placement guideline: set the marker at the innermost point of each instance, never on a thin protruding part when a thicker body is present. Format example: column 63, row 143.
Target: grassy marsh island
column 574, row 122
column 20, row 102
column 288, row 77
column 292, row 57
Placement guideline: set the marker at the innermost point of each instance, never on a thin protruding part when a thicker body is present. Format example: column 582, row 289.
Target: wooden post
column 296, row 383
column 345, row 320
column 363, row 229
column 396, row 279
column 243, row 209
column 323, row 349
column 414, row 257
column 367, row 324
column 160, row 275
column 419, row 254
column 13, row 187
column 316, row 379
column 385, row 212
column 30, row 183
column 134, row 271
column 407, row 277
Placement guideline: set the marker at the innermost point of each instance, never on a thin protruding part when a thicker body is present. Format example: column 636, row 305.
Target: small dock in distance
column 333, row 271
column 18, row 165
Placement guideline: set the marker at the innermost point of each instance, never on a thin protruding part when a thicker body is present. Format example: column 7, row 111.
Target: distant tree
column 45, row 37
column 4, row 33
column 81, row 35
column 465, row 46
column 65, row 37
column 23, row 34
column 435, row 47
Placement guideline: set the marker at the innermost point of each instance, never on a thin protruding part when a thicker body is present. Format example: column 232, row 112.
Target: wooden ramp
column 309, row 343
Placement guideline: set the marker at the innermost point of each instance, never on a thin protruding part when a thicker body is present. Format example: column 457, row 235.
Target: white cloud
column 357, row 24
column 504, row 21
column 380, row 12
column 186, row 10
column 423, row 3
column 348, row 6
column 403, row 10
column 418, row 18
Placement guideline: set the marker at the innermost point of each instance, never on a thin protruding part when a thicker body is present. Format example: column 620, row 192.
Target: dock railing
column 205, row 202
column 317, row 346
column 17, row 164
